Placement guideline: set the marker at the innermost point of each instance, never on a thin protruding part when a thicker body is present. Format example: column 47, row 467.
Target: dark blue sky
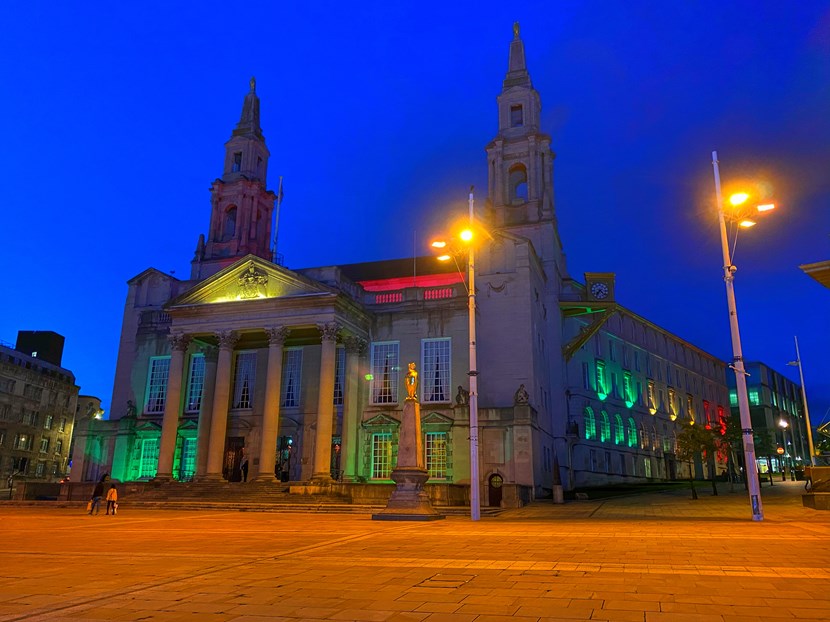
column 114, row 120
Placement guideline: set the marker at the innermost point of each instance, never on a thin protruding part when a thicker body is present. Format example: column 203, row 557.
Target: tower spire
column 249, row 121
column 517, row 74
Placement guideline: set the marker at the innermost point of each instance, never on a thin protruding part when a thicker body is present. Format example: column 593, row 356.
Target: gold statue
column 253, row 82
column 516, row 30
column 411, row 382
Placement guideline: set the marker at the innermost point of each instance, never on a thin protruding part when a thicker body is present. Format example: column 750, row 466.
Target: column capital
column 179, row 341
column 210, row 353
column 277, row 335
column 328, row 331
column 227, row 339
column 355, row 345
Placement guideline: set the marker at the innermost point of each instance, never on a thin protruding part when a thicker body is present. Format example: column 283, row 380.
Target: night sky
column 114, row 121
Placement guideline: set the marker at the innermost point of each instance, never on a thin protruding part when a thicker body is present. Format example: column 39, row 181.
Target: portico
column 224, row 318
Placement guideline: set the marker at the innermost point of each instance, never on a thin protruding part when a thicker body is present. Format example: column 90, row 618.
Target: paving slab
column 648, row 558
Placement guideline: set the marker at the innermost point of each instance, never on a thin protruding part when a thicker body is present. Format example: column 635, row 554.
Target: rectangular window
column 612, row 350
column 435, row 370
column 40, row 469
column 385, row 370
column 586, row 376
column 149, row 458
column 62, row 428
column 32, row 392
column 381, row 456
column 690, row 406
column 187, row 466
column 292, row 364
column 6, row 385
column 157, row 384
column 628, row 389
column 637, row 360
column 435, row 448
column 652, row 399
column 44, row 445
column 47, row 422
column 647, row 466
column 2, row 437
column 243, row 382
column 195, row 383
column 672, row 404
column 339, row 375
column 754, row 398
column 733, row 397
column 516, row 116
column 59, row 446
column 237, row 162
column 602, row 389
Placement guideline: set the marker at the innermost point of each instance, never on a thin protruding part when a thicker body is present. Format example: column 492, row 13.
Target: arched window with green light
column 632, row 432
column 604, row 427
column 590, row 424
column 619, row 430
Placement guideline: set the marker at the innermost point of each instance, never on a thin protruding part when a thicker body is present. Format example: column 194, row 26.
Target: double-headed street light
column 743, row 220
column 797, row 363
column 466, row 237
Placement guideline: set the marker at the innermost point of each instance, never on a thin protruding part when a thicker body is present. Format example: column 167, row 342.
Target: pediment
column 188, row 424
column 381, row 419
column 435, row 418
column 250, row 278
column 148, row 427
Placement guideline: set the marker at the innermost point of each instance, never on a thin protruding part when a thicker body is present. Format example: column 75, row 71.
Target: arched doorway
column 494, row 484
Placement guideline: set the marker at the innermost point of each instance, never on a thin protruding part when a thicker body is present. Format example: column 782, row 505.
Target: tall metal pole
column 475, row 509
column 806, row 411
column 750, row 466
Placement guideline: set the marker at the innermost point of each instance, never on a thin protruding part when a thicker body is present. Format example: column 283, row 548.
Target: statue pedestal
column 409, row 500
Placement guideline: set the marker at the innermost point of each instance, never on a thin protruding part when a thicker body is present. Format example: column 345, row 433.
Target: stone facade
column 298, row 373
column 37, row 414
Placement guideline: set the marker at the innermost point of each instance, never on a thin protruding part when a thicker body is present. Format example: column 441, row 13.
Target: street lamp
column 466, row 236
column 797, row 363
column 750, row 465
column 785, row 453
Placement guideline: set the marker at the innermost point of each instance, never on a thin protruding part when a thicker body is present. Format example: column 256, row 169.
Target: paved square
column 651, row 558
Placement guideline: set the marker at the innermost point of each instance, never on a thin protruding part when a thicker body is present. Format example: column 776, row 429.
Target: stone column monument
column 409, row 500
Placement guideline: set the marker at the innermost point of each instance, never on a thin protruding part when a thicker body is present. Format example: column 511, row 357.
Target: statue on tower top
column 516, row 30
column 253, row 79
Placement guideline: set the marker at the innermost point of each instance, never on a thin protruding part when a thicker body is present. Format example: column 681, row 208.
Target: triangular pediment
column 381, row 419
column 148, row 427
column 250, row 278
column 435, row 418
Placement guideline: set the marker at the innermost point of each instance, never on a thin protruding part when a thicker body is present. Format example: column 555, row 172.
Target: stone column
column 221, row 398
column 206, row 410
column 355, row 346
column 271, row 412
column 172, row 406
column 325, row 404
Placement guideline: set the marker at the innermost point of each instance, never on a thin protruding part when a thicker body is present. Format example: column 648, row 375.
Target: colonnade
column 215, row 405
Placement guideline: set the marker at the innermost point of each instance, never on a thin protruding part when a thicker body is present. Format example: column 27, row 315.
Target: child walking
column 112, row 499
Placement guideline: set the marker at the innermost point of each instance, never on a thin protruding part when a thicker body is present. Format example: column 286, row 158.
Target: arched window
column 517, row 178
column 590, row 424
column 605, row 427
column 229, row 230
column 619, row 430
column 632, row 432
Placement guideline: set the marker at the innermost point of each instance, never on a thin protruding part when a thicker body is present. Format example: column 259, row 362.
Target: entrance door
column 233, row 456
column 494, row 492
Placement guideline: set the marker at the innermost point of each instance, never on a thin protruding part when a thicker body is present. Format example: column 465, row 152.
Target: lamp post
column 783, row 425
column 467, row 237
column 750, row 465
column 797, row 362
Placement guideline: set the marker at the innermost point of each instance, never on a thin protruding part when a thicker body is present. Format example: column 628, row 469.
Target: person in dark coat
column 97, row 494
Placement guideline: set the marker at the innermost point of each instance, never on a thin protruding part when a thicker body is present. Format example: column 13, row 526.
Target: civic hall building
column 299, row 373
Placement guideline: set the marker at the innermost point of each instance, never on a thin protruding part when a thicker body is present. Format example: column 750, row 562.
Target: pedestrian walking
column 97, row 493
column 112, row 499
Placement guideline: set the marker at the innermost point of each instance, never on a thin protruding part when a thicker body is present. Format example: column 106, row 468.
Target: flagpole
column 276, row 223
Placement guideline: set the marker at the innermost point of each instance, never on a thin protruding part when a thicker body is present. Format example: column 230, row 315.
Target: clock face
column 599, row 291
